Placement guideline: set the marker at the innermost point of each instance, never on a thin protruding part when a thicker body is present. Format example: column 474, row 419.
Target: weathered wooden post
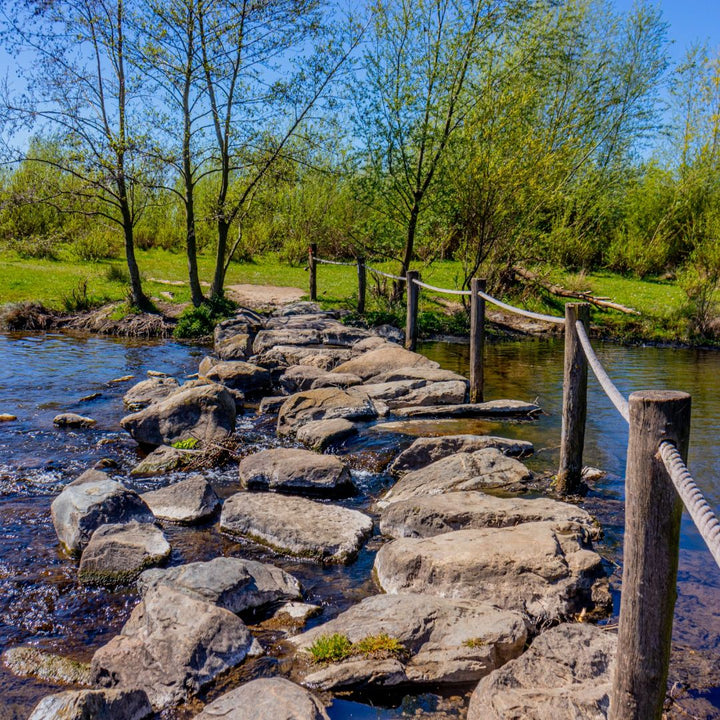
column 574, row 412
column 650, row 556
column 477, row 340
column 312, row 264
column 413, row 291
column 362, row 283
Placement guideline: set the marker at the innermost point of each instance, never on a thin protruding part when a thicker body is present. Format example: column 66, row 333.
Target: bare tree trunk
column 217, row 290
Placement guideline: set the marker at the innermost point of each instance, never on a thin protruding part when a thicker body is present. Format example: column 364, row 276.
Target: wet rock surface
column 162, row 460
column 433, row 640
column 320, row 434
column 567, row 672
column 317, row 531
column 73, row 420
column 149, row 391
column 86, row 704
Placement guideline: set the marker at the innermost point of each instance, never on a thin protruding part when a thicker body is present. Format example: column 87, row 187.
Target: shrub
column 330, row 648
column 37, row 247
column 99, row 244
column 78, row 299
column 200, row 321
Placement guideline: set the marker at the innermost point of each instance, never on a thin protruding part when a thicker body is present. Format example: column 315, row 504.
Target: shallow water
column 42, row 603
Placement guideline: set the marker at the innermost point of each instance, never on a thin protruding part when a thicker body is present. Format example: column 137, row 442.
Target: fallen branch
column 533, row 278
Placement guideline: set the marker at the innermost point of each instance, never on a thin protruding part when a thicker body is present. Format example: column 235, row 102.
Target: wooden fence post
column 362, row 283
column 477, row 340
column 312, row 264
column 574, row 412
column 413, row 291
column 650, row 555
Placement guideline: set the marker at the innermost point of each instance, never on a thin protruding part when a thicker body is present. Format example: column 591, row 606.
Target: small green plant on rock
column 379, row 646
column 474, row 643
column 331, row 648
column 187, row 444
column 200, row 321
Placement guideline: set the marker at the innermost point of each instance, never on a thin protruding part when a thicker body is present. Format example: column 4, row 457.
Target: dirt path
column 260, row 297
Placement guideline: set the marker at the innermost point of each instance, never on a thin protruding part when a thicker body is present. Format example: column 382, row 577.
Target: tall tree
column 79, row 94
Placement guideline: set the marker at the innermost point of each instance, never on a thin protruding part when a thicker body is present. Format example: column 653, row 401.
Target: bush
column 100, row 244
column 118, row 273
column 195, row 322
column 78, row 299
column 700, row 280
column 37, row 247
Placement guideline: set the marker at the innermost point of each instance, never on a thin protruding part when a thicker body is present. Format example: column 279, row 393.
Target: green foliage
column 187, row 444
column 700, row 280
column 474, row 643
column 98, row 244
column 117, row 273
column 379, row 646
column 330, row 648
column 78, row 299
column 200, row 321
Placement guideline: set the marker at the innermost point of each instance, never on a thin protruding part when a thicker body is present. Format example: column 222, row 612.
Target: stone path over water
column 474, row 564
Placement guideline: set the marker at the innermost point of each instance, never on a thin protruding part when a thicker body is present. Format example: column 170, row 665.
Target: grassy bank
column 57, row 283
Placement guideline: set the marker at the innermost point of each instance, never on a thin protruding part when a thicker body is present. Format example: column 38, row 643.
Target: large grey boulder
column 442, row 641
column 402, row 393
column 162, row 460
column 426, row 450
column 323, row 404
column 268, row 339
column 320, row 434
column 172, row 646
column 299, row 377
column 93, row 705
column 435, row 514
column 188, row 501
column 419, row 372
column 238, row 375
column 480, row 470
column 566, row 673
column 343, row 335
column 492, row 408
column 296, row 472
column 341, row 380
column 234, row 347
column 542, row 568
column 149, row 391
column 265, row 699
column 293, row 525
column 117, row 554
column 206, row 413
column 228, row 582
column 287, row 355
column 244, row 322
column 91, row 501
column 383, row 359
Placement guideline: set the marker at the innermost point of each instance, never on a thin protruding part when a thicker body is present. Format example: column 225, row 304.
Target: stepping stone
column 542, row 568
column 437, row 641
column 436, row 514
column 172, row 646
column 427, row 450
column 296, row 472
column 73, row 420
column 268, row 339
column 271, row 405
column 265, row 699
column 117, row 554
column 188, row 501
column 428, row 374
column 296, row 526
column 566, row 673
column 323, row 404
column 244, row 376
column 29, row 661
column 162, row 460
column 91, row 501
column 235, row 347
column 481, row 470
column 85, row 704
column 149, row 391
column 228, row 582
column 494, row 408
column 320, row 434
column 384, row 359
column 402, row 393
column 287, row 355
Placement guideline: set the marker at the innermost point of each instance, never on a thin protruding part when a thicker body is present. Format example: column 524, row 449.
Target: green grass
column 337, row 647
column 51, row 282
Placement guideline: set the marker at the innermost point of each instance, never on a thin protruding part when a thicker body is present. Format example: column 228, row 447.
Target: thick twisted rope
column 334, row 262
column 616, row 397
column 701, row 513
column 384, row 274
column 520, row 311
column 442, row 290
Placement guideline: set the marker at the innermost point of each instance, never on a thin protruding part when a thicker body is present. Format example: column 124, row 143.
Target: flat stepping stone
column 117, row 554
column 424, row 451
column 480, row 470
column 542, row 568
column 435, row 640
column 403, row 393
column 436, row 514
column 228, row 582
column 493, row 408
column 149, row 391
column 287, row 355
column 188, row 501
column 321, row 434
column 162, row 460
column 296, row 472
column 268, row 339
column 234, row 347
column 84, row 704
column 265, row 699
column 238, row 375
column 91, row 501
column 172, row 646
column 297, row 526
column 566, row 673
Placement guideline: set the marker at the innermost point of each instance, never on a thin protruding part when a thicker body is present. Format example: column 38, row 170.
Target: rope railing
column 333, row 262
column 616, row 397
column 698, row 508
column 441, row 290
column 521, row 311
column 390, row 276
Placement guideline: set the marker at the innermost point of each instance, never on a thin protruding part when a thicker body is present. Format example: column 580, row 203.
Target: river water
column 42, row 604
